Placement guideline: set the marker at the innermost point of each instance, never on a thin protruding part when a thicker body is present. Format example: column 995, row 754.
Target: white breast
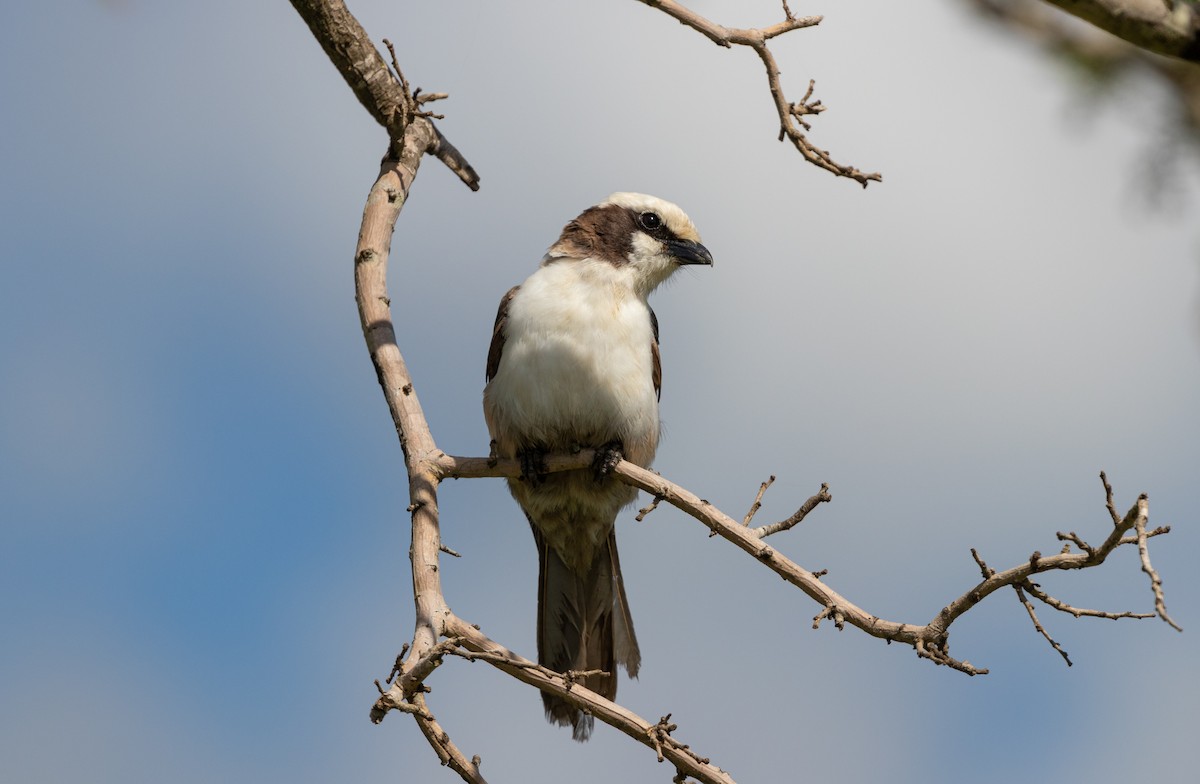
column 576, row 366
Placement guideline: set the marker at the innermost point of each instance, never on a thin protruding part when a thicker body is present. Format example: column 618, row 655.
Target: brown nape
column 604, row 232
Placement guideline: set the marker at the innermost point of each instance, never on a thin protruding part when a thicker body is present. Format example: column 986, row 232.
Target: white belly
column 576, row 367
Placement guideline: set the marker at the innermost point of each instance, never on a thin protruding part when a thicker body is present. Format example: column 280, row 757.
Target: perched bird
column 574, row 363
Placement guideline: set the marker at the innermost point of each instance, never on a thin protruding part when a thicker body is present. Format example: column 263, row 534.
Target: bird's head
column 649, row 237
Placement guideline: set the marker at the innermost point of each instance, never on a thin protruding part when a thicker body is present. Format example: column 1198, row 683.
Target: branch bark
column 929, row 639
column 1166, row 27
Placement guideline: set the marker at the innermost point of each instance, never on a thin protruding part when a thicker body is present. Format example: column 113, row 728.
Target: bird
column 573, row 364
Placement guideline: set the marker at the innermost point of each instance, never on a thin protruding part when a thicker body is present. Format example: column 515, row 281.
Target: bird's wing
column 497, row 347
column 655, row 357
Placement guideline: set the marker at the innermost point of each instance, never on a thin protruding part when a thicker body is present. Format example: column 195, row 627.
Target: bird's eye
column 650, row 221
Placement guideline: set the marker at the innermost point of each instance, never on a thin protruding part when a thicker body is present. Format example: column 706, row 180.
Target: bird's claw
column 606, row 459
column 533, row 466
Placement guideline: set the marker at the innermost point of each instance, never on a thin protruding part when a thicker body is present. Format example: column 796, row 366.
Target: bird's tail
column 584, row 624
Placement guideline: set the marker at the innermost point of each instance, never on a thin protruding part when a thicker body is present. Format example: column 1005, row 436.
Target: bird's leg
column 533, row 465
column 606, row 459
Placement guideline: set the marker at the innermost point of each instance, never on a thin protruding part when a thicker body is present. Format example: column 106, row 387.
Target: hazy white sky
column 202, row 530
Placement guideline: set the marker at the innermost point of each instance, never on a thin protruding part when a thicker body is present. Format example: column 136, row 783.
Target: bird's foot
column 606, row 459
column 533, row 466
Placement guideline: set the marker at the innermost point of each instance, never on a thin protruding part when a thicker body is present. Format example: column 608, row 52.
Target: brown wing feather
column 497, row 346
column 655, row 357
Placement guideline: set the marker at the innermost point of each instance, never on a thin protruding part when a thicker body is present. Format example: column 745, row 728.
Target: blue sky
column 202, row 531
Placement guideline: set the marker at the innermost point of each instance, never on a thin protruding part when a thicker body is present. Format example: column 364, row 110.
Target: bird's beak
column 688, row 252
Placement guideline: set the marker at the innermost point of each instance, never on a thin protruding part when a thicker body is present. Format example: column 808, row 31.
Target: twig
column 641, row 515
column 1108, row 500
column 1037, row 624
column 935, row 652
column 1035, row 590
column 448, row 753
column 412, row 98
column 832, row 612
column 790, row 124
column 660, row 734
column 1074, row 538
column 821, row 497
column 984, row 569
column 758, row 500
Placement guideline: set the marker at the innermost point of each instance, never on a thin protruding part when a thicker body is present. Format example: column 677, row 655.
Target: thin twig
column 758, row 500
column 1108, row 499
column 1036, row 592
column 1037, row 624
column 1075, row 538
column 641, row 515
column 822, row 497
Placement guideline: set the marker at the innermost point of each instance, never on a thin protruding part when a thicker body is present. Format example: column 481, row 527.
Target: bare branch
column 929, row 640
column 1108, row 500
column 821, row 497
column 1037, row 624
column 1160, row 604
column 641, row 515
column 758, row 500
column 448, row 753
column 1036, row 592
column 410, row 698
column 385, row 96
column 790, row 124
column 671, row 750
column 1078, row 542
column 354, row 56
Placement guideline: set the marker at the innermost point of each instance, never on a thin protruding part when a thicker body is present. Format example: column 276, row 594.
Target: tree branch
column 438, row 632
column 354, row 56
column 1104, row 58
column 1167, row 27
column 385, row 96
column 790, row 114
column 930, row 639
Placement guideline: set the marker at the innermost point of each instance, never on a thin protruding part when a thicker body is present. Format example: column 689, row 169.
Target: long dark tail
column 583, row 624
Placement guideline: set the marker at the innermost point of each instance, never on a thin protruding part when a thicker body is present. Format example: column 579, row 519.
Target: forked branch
column 931, row 639
column 791, row 125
